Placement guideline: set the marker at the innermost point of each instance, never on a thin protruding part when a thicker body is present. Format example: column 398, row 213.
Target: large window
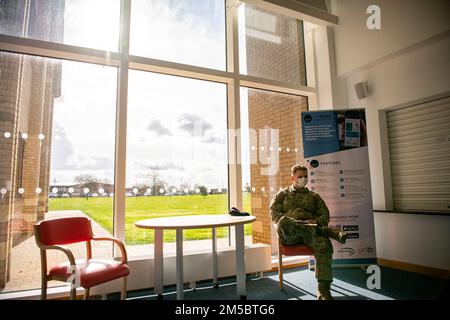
column 271, row 145
column 189, row 32
column 176, row 152
column 85, row 23
column 57, row 149
column 145, row 126
column 271, row 45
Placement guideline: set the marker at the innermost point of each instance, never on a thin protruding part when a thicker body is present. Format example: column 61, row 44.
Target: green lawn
column 138, row 208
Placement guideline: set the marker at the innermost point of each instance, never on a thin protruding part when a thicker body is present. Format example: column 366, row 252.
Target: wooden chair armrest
column 119, row 243
column 64, row 249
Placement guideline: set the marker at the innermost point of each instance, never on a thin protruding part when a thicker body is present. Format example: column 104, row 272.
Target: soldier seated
column 303, row 218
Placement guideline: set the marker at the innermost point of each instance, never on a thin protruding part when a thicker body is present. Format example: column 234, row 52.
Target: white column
column 234, row 104
column 121, row 124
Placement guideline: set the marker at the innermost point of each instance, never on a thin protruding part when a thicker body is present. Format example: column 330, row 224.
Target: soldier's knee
column 323, row 245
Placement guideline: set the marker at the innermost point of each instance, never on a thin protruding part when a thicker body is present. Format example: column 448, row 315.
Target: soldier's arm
column 301, row 214
column 321, row 212
column 276, row 206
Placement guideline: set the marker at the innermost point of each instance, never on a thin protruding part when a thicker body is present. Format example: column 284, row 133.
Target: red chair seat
column 92, row 272
column 297, row 250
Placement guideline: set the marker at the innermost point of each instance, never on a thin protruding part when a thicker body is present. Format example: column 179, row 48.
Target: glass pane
column 57, row 124
column 271, row 46
column 271, row 144
column 184, row 31
column 176, row 155
column 85, row 23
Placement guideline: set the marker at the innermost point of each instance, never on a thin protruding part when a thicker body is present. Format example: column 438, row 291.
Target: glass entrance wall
column 62, row 113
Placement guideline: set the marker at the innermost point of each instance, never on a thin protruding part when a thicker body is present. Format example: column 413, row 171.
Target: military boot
column 324, row 291
column 333, row 233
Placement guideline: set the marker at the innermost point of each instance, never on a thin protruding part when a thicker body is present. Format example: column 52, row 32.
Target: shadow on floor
column 300, row 284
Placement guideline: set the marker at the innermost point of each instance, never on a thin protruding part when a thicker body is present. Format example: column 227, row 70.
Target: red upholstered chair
column 289, row 250
column 55, row 233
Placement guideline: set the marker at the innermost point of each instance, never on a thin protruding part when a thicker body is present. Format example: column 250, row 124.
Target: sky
column 176, row 126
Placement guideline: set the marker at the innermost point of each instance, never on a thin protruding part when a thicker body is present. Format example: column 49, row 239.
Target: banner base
column 353, row 263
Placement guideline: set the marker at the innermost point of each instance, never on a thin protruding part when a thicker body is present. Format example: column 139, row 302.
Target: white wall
column 403, row 23
column 417, row 239
column 408, row 60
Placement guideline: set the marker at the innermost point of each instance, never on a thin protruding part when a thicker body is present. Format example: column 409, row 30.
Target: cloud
column 90, row 163
column 64, row 157
column 193, row 124
column 215, row 136
column 157, row 127
column 214, row 139
column 162, row 166
column 62, row 148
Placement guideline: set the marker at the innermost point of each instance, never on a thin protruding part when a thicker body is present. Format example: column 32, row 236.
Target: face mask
column 301, row 182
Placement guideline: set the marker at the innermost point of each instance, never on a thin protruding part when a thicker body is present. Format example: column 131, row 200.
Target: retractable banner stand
column 335, row 148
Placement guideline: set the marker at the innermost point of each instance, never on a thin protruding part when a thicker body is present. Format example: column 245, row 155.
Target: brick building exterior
column 282, row 60
column 28, row 87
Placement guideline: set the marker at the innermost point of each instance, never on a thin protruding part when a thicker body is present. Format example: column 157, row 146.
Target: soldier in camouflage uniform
column 293, row 207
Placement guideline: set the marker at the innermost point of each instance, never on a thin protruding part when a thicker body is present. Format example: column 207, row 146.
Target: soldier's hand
column 291, row 214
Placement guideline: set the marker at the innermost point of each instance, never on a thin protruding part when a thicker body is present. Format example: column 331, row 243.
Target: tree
column 156, row 183
column 142, row 188
column 87, row 181
column 203, row 191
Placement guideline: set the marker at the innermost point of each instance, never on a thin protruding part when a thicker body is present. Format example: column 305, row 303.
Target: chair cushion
column 297, row 250
column 92, row 272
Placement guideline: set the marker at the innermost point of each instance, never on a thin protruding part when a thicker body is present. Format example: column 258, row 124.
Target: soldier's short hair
column 298, row 167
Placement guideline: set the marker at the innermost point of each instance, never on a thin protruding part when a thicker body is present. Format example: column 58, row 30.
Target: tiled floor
column 301, row 284
column 26, row 260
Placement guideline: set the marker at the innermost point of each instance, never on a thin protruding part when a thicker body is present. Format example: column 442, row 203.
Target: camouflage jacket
column 300, row 204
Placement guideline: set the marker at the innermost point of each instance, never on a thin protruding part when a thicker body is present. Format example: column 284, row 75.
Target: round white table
column 179, row 223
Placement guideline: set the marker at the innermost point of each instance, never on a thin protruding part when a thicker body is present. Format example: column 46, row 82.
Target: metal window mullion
column 58, row 51
column 179, row 69
column 200, row 73
column 233, row 104
column 297, row 10
column 272, row 85
column 121, row 123
column 87, row 55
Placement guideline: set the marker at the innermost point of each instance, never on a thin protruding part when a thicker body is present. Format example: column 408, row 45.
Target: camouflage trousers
column 291, row 233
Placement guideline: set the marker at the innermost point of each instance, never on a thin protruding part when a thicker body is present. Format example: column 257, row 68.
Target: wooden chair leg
column 86, row 293
column 73, row 294
column 123, row 294
column 44, row 278
column 280, row 264
column 44, row 289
